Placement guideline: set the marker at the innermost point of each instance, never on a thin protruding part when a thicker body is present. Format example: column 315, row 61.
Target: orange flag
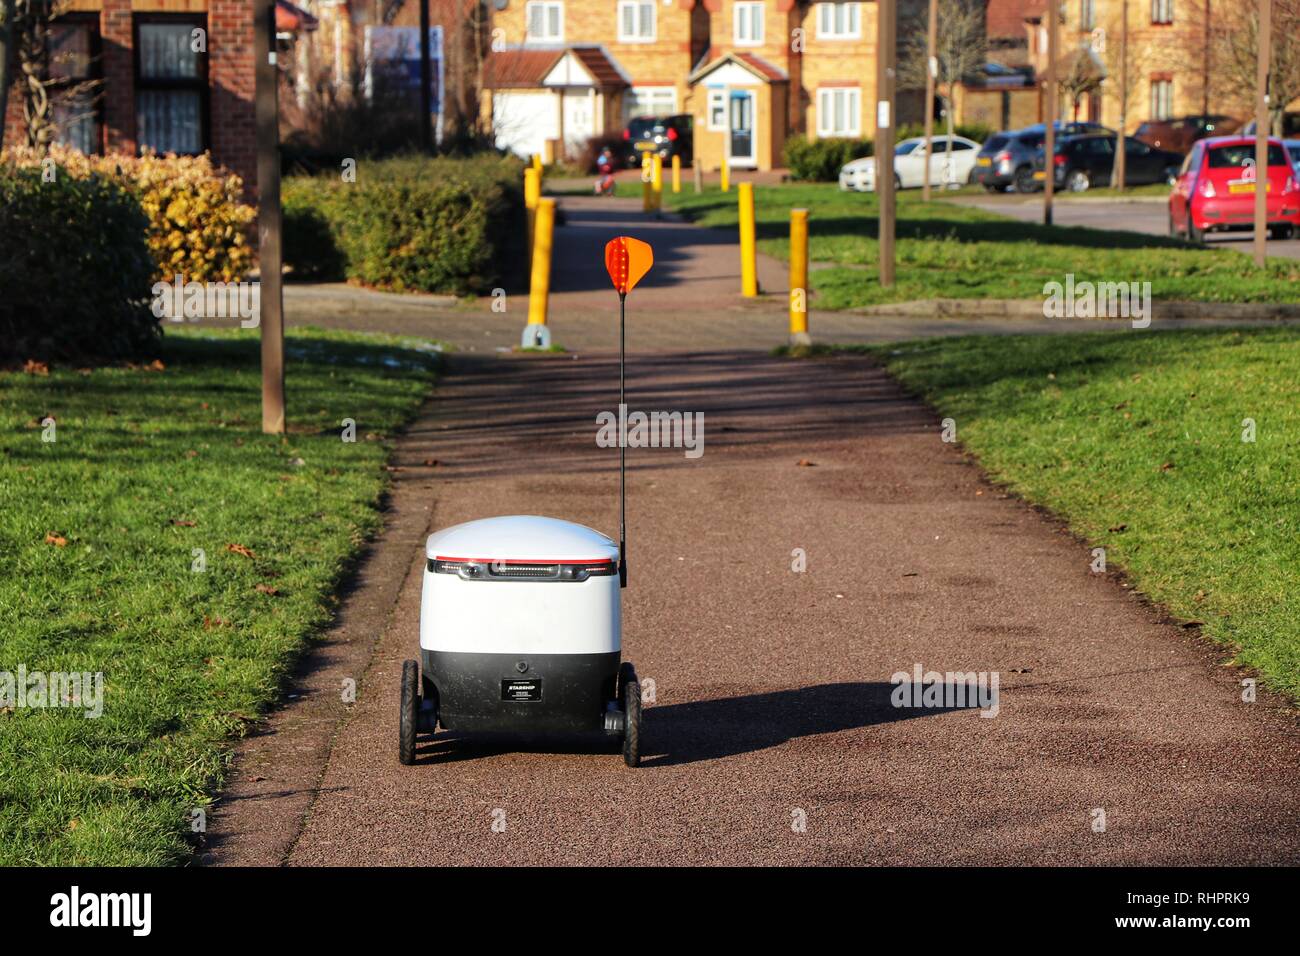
column 627, row 260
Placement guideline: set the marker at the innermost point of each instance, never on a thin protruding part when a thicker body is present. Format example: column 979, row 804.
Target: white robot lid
column 520, row 538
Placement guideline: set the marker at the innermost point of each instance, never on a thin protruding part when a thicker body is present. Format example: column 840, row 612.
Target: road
column 1136, row 215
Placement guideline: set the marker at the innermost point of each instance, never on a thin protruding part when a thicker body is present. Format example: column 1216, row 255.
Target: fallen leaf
column 178, row 522
column 431, row 463
column 191, row 454
column 74, row 823
column 156, row 365
column 32, row 367
column 1167, row 466
column 297, row 462
column 911, row 574
column 267, row 589
column 210, row 622
column 805, row 463
column 240, row 549
column 1117, row 528
column 56, row 539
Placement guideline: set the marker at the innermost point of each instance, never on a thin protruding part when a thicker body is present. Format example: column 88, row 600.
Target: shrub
column 74, row 266
column 430, row 225
column 821, row 159
column 197, row 225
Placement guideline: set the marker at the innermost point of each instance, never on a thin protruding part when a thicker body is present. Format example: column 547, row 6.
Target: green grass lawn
column 946, row 250
column 1135, row 439
column 98, row 530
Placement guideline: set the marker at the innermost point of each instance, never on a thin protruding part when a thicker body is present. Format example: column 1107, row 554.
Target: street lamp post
column 886, row 33
column 1049, row 145
column 267, row 120
column 931, row 74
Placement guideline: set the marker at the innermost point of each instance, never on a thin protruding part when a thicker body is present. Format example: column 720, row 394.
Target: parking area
column 1146, row 214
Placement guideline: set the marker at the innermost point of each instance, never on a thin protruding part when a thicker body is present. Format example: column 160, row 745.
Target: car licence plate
column 1238, row 188
column 644, row 145
column 1040, row 175
column 983, row 161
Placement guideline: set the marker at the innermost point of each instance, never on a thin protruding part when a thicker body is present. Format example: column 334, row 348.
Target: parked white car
column 910, row 165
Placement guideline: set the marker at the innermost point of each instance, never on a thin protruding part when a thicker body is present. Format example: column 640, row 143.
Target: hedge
column 75, row 268
column 820, row 159
column 431, row 225
column 198, row 225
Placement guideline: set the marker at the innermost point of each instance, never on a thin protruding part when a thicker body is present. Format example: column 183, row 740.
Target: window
column 1162, row 99
column 839, row 21
column 1162, row 11
column 839, row 112
column 717, row 109
column 545, row 22
column 636, row 21
column 74, row 81
column 749, row 23
column 649, row 101
column 1088, row 14
column 171, row 85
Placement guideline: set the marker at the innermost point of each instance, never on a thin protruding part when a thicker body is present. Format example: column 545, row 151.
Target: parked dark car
column 1178, row 135
column 1007, row 158
column 1290, row 126
column 1082, row 162
column 666, row 135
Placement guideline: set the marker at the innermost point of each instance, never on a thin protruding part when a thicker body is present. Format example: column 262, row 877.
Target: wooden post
column 931, row 75
column 886, row 36
column 426, row 80
column 1049, row 146
column 1120, row 171
column 698, row 170
column 1263, row 124
column 267, row 111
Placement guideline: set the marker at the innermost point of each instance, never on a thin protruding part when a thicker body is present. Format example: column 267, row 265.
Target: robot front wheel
column 408, row 722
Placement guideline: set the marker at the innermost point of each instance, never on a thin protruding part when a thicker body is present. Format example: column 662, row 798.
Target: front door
column 579, row 119
column 741, row 124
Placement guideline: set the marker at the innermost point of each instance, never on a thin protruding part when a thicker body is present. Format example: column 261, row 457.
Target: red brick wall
column 118, row 66
column 231, row 79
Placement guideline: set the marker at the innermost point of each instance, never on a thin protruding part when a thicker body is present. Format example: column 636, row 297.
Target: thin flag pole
column 622, row 448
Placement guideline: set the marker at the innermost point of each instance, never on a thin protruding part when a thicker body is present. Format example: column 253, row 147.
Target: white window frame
column 1162, row 106
column 826, row 20
column 717, row 100
column 754, row 8
column 637, row 7
column 528, row 20
column 826, row 111
column 1162, row 12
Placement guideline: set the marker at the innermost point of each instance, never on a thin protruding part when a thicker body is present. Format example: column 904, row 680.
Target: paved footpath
column 772, row 687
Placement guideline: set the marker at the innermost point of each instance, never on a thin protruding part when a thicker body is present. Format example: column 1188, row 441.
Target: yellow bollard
column 748, row 254
column 539, row 288
column 532, row 194
column 647, row 188
column 677, row 173
column 799, row 277
column 726, row 179
column 657, row 180
column 537, row 163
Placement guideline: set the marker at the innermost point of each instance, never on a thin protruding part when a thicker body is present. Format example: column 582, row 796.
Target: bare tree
column 1078, row 74
column 32, row 32
column 1233, row 51
column 960, row 51
column 6, row 59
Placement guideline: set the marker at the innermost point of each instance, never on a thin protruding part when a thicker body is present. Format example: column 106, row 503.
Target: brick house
column 750, row 72
column 157, row 90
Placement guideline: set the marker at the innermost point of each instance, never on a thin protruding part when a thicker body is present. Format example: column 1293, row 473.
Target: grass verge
column 947, row 250
column 165, row 542
column 1136, row 440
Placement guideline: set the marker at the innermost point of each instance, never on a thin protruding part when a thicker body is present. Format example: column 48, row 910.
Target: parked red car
column 1215, row 191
